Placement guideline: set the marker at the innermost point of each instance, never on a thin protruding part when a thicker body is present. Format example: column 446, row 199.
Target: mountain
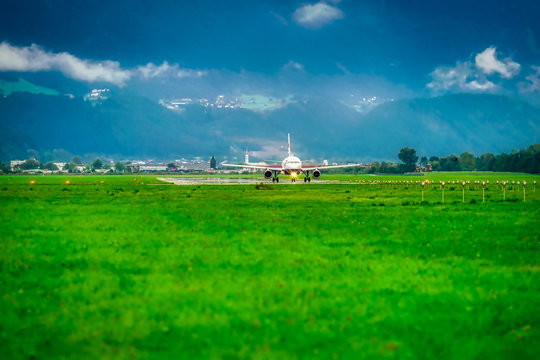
column 126, row 126
column 450, row 125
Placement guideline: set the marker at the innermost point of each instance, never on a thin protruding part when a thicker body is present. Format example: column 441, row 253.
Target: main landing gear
column 275, row 179
column 307, row 178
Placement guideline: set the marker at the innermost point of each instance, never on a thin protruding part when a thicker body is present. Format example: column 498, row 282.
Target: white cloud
column 185, row 73
column 342, row 67
column 280, row 18
column 317, row 15
column 33, row 58
column 473, row 77
column 487, row 62
column 462, row 77
column 480, row 86
column 446, row 78
column 151, row 70
column 532, row 84
column 293, row 65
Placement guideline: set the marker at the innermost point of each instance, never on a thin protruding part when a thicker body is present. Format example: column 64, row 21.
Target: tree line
column 524, row 160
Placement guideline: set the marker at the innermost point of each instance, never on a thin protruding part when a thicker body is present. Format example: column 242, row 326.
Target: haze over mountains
column 129, row 126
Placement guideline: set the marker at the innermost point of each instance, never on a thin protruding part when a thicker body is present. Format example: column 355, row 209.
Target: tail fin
column 289, row 145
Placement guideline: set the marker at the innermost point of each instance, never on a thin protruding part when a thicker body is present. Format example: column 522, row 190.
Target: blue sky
column 384, row 48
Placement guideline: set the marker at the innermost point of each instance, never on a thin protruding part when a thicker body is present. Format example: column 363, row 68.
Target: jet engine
column 267, row 174
column 316, row 174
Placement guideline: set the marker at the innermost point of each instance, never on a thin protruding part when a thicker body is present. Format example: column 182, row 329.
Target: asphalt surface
column 239, row 181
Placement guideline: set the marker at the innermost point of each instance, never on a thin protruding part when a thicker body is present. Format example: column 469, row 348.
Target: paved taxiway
column 238, row 181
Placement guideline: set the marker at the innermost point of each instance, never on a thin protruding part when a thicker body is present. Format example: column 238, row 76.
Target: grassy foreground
column 126, row 267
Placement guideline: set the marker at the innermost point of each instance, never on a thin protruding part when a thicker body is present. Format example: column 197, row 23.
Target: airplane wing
column 262, row 167
column 320, row 167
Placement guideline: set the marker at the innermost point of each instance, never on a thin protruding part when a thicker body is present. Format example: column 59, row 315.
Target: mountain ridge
column 135, row 127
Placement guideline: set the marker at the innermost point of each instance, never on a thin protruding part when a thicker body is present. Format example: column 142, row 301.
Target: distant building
column 182, row 165
column 198, row 165
column 97, row 94
column 423, row 167
column 15, row 163
column 153, row 167
column 60, row 165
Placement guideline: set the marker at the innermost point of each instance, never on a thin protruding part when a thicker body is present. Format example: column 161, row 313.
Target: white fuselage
column 291, row 164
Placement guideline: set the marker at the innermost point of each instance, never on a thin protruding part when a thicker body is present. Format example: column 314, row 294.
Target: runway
column 239, row 181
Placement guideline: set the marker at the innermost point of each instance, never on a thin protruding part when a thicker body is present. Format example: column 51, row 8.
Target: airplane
column 291, row 165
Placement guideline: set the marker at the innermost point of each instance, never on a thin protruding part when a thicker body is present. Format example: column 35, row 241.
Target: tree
column 423, row 160
column 213, row 163
column 120, row 166
column 5, row 168
column 77, row 160
column 29, row 164
column 409, row 158
column 524, row 160
column 501, row 162
column 449, row 163
column 50, row 166
column 467, row 161
column 374, row 168
column 97, row 164
column 485, row 162
column 171, row 166
column 71, row 167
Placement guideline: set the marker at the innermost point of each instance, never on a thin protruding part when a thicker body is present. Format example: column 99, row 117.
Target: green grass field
column 129, row 267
